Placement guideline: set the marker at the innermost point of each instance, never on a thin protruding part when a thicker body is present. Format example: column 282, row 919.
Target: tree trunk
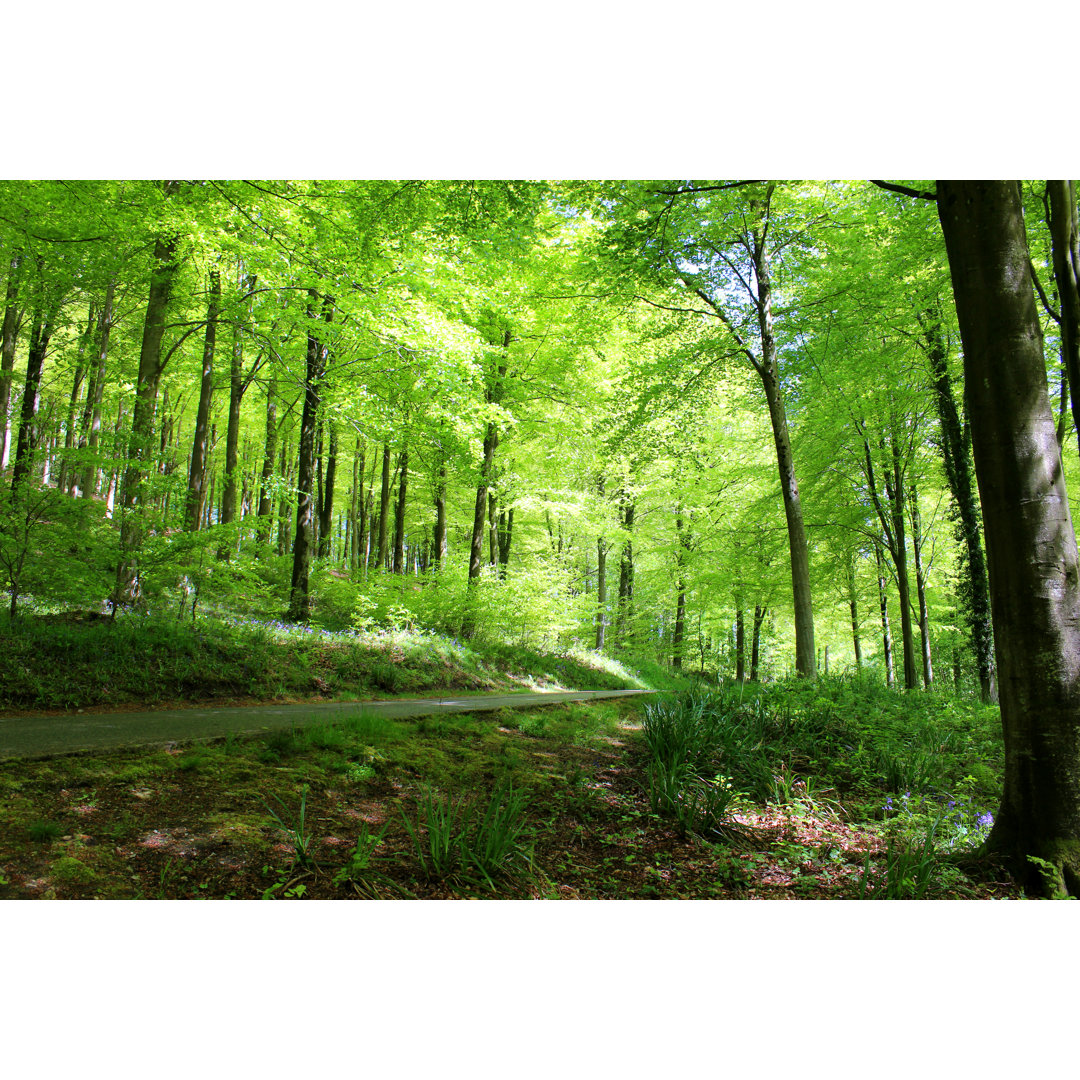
column 755, row 644
column 382, row 552
column 1031, row 548
column 894, row 490
column 1065, row 239
column 399, row 512
column 40, row 333
column 505, row 534
column 920, row 584
column 624, row 611
column 140, row 447
column 303, row 542
column 326, row 510
column 740, row 643
column 886, row 632
column 91, row 426
column 853, row 606
column 439, row 552
column 601, row 592
column 9, row 336
column 67, row 481
column 196, row 489
column 265, row 511
column 975, row 598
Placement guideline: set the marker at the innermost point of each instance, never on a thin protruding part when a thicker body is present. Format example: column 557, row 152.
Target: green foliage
column 461, row 836
column 44, row 832
column 295, row 827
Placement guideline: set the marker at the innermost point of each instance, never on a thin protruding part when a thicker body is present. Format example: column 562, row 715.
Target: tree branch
column 901, row 190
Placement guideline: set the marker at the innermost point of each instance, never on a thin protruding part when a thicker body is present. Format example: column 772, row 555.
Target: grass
column 568, row 801
column 56, row 661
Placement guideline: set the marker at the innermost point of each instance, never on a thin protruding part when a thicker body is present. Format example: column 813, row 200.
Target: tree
column 1031, row 547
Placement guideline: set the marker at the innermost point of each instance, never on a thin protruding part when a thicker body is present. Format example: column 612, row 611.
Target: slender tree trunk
column 625, row 609
column 975, row 599
column 303, row 543
column 40, row 334
column 399, row 512
column 359, row 520
column 894, row 490
column 196, row 489
column 9, row 336
column 1065, row 238
column 853, row 605
column 920, row 584
column 1031, row 548
column 382, row 551
column 266, row 499
column 439, row 545
column 505, row 533
column 285, row 506
column 601, row 592
column 740, row 643
column 755, row 644
column 886, row 632
column 91, row 428
column 67, row 480
column 326, row 515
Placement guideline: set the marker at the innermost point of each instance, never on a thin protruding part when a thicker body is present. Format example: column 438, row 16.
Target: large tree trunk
column 196, row 489
column 141, row 445
column 303, row 542
column 1030, row 542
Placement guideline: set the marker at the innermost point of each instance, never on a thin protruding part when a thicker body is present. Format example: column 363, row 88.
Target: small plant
column 907, row 874
column 494, row 846
column 44, row 832
column 358, row 773
column 443, row 821
column 296, row 829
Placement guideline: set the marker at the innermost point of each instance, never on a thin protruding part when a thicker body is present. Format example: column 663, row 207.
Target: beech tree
column 1031, row 547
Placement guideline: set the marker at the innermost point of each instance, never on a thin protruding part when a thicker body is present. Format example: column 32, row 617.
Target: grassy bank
column 72, row 660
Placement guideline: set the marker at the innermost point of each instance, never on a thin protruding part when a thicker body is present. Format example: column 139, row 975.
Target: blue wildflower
column 985, row 820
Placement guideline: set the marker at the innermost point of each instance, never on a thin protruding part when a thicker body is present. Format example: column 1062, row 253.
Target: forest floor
column 359, row 808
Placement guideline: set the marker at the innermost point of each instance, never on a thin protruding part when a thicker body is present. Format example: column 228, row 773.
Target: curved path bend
column 46, row 736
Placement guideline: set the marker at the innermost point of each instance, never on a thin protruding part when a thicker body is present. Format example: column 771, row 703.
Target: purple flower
column 985, row 820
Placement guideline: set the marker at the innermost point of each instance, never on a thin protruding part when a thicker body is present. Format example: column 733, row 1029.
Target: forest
column 794, row 453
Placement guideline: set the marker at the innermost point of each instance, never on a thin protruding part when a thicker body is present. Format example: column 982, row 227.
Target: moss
column 68, row 870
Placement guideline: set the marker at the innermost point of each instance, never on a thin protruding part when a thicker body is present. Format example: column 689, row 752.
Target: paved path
column 29, row 737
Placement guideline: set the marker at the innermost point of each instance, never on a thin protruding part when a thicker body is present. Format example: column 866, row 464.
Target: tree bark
column 886, row 632
column 853, row 606
column 975, row 598
column 740, row 643
column 601, row 592
column 40, row 334
column 303, row 542
column 196, row 489
column 920, row 585
column 1065, row 242
column 265, row 511
column 755, row 643
column 1034, row 568
column 399, row 512
column 326, row 509
column 9, row 336
column 439, row 546
column 382, row 552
